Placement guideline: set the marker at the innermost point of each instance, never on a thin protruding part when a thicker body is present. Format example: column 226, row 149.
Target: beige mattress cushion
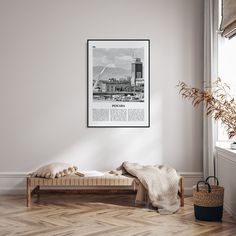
column 55, row 170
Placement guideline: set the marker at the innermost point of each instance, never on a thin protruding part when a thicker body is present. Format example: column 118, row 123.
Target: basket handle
column 201, row 181
column 217, row 181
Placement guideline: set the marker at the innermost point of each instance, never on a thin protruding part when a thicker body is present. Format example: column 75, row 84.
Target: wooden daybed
column 107, row 183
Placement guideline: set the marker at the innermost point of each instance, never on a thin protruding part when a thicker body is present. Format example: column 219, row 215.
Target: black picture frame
column 147, row 123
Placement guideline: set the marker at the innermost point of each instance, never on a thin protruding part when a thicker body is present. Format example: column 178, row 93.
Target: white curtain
column 210, row 74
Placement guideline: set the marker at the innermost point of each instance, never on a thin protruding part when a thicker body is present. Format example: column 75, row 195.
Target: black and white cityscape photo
column 118, row 83
column 118, row 74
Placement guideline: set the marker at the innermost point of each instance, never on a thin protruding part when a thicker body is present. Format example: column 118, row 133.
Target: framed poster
column 118, row 83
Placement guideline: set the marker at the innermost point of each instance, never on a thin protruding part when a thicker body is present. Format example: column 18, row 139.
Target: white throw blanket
column 161, row 182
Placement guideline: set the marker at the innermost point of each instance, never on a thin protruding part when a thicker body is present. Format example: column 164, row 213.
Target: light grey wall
column 43, row 83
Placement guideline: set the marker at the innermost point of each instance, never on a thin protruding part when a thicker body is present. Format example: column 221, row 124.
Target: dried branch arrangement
column 217, row 100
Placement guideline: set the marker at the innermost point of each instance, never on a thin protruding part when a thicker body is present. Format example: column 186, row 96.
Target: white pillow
column 55, row 170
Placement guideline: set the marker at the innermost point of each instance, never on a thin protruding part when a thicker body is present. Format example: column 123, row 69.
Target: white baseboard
column 190, row 179
column 12, row 182
column 229, row 210
column 15, row 182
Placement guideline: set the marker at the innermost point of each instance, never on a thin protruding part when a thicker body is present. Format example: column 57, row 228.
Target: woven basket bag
column 208, row 200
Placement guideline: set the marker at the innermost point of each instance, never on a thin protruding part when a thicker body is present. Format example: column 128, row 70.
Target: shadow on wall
column 59, row 134
column 107, row 148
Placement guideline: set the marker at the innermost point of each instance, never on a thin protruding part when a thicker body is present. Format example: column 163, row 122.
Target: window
column 227, row 72
column 226, row 69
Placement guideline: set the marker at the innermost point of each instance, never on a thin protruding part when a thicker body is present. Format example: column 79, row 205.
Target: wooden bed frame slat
column 113, row 185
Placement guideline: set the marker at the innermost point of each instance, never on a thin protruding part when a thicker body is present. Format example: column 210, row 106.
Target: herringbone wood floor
column 100, row 215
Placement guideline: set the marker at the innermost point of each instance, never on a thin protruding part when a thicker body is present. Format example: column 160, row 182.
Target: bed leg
column 38, row 192
column 140, row 195
column 181, row 192
column 28, row 192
